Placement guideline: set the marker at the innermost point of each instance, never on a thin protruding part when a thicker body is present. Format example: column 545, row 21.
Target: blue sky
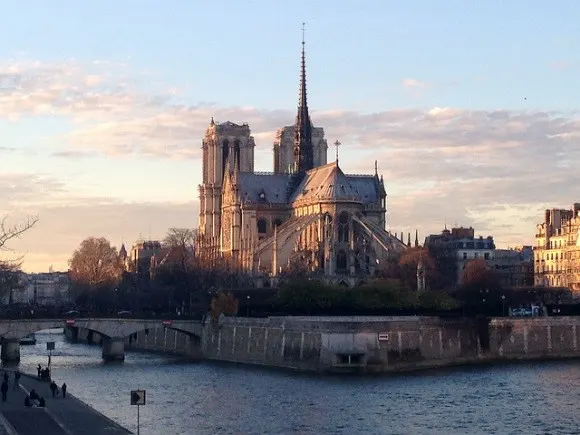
column 458, row 90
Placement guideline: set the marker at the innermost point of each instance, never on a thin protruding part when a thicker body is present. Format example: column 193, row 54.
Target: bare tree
column 10, row 232
column 180, row 242
column 9, row 267
column 95, row 263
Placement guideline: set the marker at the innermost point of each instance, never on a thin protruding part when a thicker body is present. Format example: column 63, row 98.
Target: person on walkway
column 16, row 379
column 63, row 389
column 39, row 369
column 33, row 395
column 41, row 402
column 53, row 388
column 4, row 390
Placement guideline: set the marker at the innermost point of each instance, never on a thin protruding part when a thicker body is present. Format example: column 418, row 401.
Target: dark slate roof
column 326, row 182
column 367, row 186
column 263, row 188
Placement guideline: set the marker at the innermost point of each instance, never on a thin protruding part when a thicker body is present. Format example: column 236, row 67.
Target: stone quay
column 60, row 416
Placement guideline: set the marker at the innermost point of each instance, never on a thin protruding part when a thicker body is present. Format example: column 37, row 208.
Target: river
column 206, row 398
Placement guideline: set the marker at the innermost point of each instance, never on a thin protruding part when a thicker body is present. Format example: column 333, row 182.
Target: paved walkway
column 68, row 416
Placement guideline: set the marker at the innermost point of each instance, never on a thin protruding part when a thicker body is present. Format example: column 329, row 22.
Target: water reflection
column 200, row 398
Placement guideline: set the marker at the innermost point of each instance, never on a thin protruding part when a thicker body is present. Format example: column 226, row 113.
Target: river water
column 206, row 398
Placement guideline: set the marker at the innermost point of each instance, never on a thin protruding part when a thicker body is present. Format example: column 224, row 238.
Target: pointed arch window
column 341, row 261
column 237, row 146
column 225, row 155
column 262, row 226
column 343, row 230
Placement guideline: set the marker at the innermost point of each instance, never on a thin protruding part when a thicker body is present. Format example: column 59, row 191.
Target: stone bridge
column 113, row 332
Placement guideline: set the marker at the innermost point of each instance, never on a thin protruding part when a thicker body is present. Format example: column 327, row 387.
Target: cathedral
column 307, row 216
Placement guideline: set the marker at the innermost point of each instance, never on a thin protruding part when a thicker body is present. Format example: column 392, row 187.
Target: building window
column 261, row 226
column 465, row 255
column 341, row 261
column 225, row 155
column 237, row 153
column 343, row 227
column 486, row 255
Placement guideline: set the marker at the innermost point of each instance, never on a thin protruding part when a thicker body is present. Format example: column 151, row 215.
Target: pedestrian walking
column 53, row 388
column 4, row 390
column 39, row 369
column 63, row 389
column 16, row 379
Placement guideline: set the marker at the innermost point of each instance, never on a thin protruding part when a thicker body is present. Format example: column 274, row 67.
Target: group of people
column 57, row 391
column 43, row 373
column 32, row 399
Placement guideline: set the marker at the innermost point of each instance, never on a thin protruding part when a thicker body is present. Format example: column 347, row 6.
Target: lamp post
column 503, row 305
column 248, row 306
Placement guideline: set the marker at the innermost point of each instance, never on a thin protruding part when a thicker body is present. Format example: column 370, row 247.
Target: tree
column 480, row 287
column 408, row 263
column 224, row 303
column 9, row 280
column 180, row 243
column 478, row 275
column 9, row 232
column 9, row 267
column 95, row 271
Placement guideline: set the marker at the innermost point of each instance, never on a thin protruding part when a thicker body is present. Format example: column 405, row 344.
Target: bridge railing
column 44, row 314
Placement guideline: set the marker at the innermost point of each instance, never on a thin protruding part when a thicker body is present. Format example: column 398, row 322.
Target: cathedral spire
column 303, row 152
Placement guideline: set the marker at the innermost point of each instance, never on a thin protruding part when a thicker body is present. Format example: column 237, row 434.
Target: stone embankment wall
column 367, row 344
column 535, row 338
column 372, row 344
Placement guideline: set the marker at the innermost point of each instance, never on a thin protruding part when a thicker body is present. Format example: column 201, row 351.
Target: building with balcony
column 557, row 249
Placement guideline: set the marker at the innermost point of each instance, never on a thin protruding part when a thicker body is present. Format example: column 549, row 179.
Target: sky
column 469, row 107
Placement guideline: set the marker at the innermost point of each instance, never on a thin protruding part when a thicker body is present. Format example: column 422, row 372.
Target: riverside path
column 69, row 416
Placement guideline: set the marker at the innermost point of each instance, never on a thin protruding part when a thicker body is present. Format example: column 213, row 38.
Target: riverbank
column 366, row 344
column 60, row 416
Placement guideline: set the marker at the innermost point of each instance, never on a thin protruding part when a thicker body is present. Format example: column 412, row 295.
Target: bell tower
column 224, row 145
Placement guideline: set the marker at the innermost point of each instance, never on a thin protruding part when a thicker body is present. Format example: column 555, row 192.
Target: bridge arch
column 114, row 332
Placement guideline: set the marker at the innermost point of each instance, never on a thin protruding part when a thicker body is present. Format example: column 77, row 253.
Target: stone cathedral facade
column 307, row 215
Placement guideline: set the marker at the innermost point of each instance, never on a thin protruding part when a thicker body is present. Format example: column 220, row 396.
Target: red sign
column 70, row 322
column 167, row 323
column 383, row 336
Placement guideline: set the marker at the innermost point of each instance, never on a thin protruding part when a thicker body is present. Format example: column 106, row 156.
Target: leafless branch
column 9, row 232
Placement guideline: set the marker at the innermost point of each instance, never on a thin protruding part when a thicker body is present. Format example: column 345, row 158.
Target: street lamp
column 248, row 306
column 503, row 305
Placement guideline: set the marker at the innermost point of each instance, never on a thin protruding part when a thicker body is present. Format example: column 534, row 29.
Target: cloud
column 495, row 170
column 561, row 65
column 410, row 83
column 61, row 229
column 65, row 219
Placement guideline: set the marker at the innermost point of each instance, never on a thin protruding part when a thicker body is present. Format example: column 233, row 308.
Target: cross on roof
column 337, row 144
